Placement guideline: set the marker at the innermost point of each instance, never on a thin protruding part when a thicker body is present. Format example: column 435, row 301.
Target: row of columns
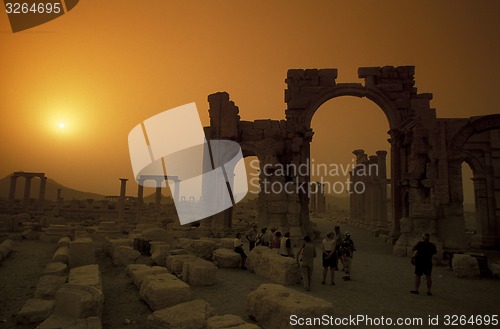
column 369, row 208
column 27, row 188
column 317, row 198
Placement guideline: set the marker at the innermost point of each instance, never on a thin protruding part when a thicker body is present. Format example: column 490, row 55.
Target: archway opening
column 245, row 212
column 341, row 126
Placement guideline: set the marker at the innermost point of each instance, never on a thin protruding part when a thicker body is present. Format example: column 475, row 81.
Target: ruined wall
column 425, row 156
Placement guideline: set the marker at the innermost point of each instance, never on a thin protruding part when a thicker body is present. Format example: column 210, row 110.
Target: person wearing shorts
column 238, row 248
column 424, row 250
column 329, row 257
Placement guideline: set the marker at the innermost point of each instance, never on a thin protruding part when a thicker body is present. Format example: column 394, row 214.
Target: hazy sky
column 107, row 65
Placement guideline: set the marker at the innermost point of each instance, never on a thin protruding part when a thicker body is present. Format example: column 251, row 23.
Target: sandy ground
column 380, row 286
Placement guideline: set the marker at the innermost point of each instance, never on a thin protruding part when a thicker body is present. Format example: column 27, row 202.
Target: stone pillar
column 121, row 202
column 140, row 198
column 320, row 198
column 12, row 191
column 41, row 195
column 177, row 186
column 396, row 188
column 313, row 202
column 382, row 177
column 158, row 197
column 27, row 191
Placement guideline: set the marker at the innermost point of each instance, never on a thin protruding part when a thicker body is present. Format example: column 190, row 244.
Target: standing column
column 177, row 186
column 121, row 202
column 12, row 192
column 41, row 195
column 140, row 197
column 158, row 196
column 382, row 176
column 27, row 191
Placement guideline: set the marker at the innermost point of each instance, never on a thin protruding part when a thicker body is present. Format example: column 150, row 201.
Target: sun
column 61, row 125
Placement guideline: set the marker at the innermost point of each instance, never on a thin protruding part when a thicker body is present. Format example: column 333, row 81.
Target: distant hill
column 50, row 190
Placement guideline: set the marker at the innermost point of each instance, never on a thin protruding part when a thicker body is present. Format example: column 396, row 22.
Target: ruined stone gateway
column 426, row 156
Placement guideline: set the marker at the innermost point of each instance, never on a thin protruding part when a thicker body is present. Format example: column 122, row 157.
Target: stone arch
column 474, row 125
column 356, row 90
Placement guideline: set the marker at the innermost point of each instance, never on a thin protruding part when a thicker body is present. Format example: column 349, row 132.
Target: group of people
column 334, row 248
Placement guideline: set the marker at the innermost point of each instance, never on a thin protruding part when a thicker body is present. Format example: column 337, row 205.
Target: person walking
column 424, row 250
column 305, row 257
column 347, row 251
column 329, row 257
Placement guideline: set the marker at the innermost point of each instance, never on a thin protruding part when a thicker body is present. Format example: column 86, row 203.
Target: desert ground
column 380, row 286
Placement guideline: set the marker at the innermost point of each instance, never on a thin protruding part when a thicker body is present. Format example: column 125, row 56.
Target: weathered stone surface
column 64, row 241
column 226, row 258
column 78, row 301
column 88, row 275
column 189, row 315
column 175, row 262
column 58, row 322
column 61, row 255
column 164, row 290
column 124, row 255
column 271, row 305
column 267, row 263
column 5, row 249
column 226, row 243
column 35, row 310
column 140, row 271
column 81, row 252
column 203, row 248
column 48, row 285
column 229, row 321
column 465, row 266
column 159, row 251
column 199, row 272
column 56, row 268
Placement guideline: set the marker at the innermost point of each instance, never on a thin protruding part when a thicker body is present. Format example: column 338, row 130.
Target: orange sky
column 107, row 65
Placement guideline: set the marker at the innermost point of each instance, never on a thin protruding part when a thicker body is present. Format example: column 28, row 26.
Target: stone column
column 396, row 188
column 313, row 202
column 121, row 202
column 158, row 197
column 140, row 198
column 12, row 191
column 27, row 191
column 41, row 195
column 320, row 198
column 382, row 177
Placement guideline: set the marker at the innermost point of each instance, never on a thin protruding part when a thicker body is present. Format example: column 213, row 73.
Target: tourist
column 305, row 257
column 238, row 248
column 338, row 237
column 347, row 251
column 263, row 238
column 424, row 250
column 276, row 240
column 329, row 257
column 286, row 246
column 252, row 237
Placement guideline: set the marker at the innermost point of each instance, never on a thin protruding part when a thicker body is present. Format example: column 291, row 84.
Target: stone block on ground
column 267, row 263
column 226, row 258
column 203, row 248
column 138, row 273
column 48, row 285
column 164, row 290
column 175, row 262
column 35, row 310
column 81, row 252
column 88, row 275
column 465, row 266
column 229, row 321
column 61, row 255
column 56, row 268
column 271, row 305
column 58, row 322
column 124, row 255
column 78, row 301
column 6, row 248
column 159, row 251
column 64, row 241
column 199, row 272
column 189, row 315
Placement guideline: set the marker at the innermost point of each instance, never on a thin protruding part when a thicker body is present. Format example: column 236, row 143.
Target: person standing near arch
column 424, row 250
